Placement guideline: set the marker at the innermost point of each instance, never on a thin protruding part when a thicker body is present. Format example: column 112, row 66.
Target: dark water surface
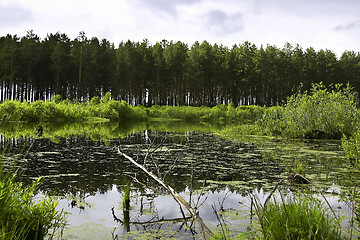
column 88, row 177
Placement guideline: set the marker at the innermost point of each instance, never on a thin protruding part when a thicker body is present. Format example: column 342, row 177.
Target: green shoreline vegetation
column 322, row 113
column 171, row 75
column 24, row 217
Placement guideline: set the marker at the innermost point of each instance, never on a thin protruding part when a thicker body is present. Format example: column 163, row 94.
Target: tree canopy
column 165, row 73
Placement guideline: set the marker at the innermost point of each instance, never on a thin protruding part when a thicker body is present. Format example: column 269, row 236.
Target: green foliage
column 322, row 113
column 351, row 146
column 65, row 111
column 106, row 98
column 272, row 121
column 247, row 114
column 298, row 217
column 56, row 98
column 94, row 101
column 23, row 217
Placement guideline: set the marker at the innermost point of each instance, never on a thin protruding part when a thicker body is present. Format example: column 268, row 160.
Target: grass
column 297, row 217
column 23, row 217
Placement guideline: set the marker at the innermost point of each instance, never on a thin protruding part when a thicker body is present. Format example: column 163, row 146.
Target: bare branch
column 204, row 229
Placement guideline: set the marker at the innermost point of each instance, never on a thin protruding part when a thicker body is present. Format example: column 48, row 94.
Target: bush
column 351, row 146
column 248, row 114
column 272, row 122
column 322, row 113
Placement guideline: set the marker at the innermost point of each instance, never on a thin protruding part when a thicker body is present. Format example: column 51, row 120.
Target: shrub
column 94, row 101
column 272, row 121
column 322, row 113
column 351, row 146
column 248, row 114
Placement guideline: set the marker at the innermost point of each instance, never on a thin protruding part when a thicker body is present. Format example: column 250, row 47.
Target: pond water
column 88, row 177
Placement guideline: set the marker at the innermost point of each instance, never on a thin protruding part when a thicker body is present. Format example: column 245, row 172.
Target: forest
column 166, row 73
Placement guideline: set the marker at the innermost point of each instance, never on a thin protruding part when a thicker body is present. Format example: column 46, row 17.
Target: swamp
column 169, row 140
column 220, row 175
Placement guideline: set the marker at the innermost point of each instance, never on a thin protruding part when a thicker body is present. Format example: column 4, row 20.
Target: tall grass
column 21, row 215
column 297, row 217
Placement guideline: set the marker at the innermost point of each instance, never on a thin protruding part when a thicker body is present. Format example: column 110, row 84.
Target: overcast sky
column 321, row 24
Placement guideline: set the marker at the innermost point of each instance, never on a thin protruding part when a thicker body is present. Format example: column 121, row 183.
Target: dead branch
column 274, row 189
column 175, row 195
column 204, row 229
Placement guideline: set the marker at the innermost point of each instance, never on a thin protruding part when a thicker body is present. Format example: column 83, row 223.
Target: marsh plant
column 351, row 146
column 22, row 216
column 321, row 113
column 297, row 217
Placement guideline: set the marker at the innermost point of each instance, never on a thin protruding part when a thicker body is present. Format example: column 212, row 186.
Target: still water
column 88, row 177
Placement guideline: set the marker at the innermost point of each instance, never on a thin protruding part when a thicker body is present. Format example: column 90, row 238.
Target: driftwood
column 180, row 200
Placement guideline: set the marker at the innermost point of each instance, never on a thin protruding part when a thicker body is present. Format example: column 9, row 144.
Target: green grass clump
column 299, row 217
column 21, row 215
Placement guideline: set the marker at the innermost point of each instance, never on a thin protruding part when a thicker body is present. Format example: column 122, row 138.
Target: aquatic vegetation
column 23, row 217
column 297, row 217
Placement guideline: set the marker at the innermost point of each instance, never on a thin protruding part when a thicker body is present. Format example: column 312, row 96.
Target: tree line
column 165, row 73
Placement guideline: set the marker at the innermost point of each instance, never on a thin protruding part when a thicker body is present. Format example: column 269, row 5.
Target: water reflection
column 91, row 166
column 88, row 176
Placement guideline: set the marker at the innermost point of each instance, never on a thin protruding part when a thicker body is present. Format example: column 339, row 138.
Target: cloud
column 164, row 6
column 13, row 15
column 347, row 27
column 220, row 22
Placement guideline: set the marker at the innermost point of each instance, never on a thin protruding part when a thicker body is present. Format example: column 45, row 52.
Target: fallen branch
column 168, row 188
column 180, row 200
